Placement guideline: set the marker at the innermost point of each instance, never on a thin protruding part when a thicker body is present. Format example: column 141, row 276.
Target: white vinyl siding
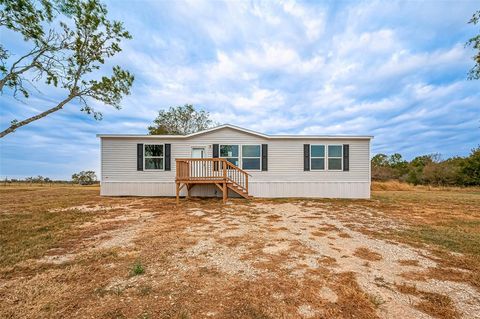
column 285, row 160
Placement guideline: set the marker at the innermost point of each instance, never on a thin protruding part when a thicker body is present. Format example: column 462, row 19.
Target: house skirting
column 278, row 189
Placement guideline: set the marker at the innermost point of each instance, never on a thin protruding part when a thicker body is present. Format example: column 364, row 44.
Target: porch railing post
column 224, row 164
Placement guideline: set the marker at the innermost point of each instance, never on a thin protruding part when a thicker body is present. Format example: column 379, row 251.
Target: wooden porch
column 217, row 171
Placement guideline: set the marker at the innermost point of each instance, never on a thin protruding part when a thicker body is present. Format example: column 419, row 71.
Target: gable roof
column 241, row 129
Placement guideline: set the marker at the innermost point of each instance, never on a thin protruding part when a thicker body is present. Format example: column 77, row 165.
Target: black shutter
column 139, row 157
column 264, row 157
column 215, row 155
column 168, row 164
column 346, row 157
column 306, row 157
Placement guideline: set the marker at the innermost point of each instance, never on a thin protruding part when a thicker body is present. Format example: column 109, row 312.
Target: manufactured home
column 232, row 161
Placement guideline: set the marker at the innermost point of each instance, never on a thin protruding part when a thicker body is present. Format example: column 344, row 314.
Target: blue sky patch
column 393, row 69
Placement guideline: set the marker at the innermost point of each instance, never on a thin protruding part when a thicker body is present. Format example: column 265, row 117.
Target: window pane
column 251, row 163
column 334, row 151
column 153, row 150
column 318, row 163
column 153, row 163
column 233, row 160
column 318, row 151
column 251, row 151
column 334, row 163
column 228, row 150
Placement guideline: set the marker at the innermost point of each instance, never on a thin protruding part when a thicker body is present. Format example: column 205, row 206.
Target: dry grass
column 408, row 262
column 434, row 304
column 394, row 185
column 391, row 186
column 67, row 252
column 437, row 305
column 367, row 254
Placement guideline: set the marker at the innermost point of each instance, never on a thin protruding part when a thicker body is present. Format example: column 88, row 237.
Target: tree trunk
column 13, row 127
column 2, row 82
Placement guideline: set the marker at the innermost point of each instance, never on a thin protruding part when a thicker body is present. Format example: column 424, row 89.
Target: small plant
column 137, row 269
column 376, row 300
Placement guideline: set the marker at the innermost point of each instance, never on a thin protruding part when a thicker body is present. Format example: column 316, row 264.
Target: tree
column 399, row 165
column 471, row 168
column 380, row 160
column 180, row 120
column 63, row 53
column 84, row 178
column 474, row 73
column 38, row 179
column 381, row 169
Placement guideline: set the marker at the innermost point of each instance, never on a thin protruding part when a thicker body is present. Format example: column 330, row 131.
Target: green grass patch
column 29, row 224
column 137, row 269
column 460, row 236
column 31, row 235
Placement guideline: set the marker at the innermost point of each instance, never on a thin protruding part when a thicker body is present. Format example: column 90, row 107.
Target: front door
column 198, row 152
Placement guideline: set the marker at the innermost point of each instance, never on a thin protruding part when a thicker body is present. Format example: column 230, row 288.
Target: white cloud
column 391, row 69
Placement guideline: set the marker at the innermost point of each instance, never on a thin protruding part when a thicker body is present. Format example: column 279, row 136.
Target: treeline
column 429, row 169
column 34, row 180
column 82, row 178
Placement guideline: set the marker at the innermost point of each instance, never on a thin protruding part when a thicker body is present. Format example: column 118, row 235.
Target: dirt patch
column 328, row 294
column 147, row 258
column 110, row 231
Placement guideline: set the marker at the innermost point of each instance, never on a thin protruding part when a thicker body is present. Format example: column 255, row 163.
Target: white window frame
column 242, row 157
column 225, row 157
column 335, row 157
column 145, row 157
column 324, row 157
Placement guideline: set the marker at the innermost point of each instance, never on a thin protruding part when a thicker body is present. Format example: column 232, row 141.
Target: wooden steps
column 217, row 171
column 240, row 191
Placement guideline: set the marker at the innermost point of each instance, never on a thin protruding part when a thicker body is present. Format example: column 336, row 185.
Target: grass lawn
column 67, row 252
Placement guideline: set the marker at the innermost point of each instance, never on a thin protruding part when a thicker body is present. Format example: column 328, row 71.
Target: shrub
column 84, row 178
column 137, row 269
column 428, row 169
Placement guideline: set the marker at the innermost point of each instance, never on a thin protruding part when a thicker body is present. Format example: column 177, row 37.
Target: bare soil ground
column 68, row 253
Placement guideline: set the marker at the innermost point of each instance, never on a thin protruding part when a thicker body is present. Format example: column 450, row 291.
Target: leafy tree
column 398, row 164
column 69, row 40
column 38, row 179
column 381, row 169
column 180, row 120
column 416, row 168
column 471, row 168
column 380, row 160
column 442, row 173
column 84, row 178
column 474, row 42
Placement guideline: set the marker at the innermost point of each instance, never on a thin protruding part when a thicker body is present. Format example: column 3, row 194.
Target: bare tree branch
column 16, row 125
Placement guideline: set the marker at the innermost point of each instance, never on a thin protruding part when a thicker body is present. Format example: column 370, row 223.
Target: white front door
column 198, row 152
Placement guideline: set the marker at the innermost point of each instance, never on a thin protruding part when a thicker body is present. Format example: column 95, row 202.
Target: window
column 335, row 155
column 153, row 156
column 317, row 157
column 251, row 157
column 230, row 152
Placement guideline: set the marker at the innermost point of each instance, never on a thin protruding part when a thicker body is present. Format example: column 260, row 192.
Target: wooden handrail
column 200, row 159
column 211, row 169
column 236, row 167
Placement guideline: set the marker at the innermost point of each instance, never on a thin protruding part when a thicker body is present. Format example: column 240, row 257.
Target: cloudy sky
column 395, row 70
